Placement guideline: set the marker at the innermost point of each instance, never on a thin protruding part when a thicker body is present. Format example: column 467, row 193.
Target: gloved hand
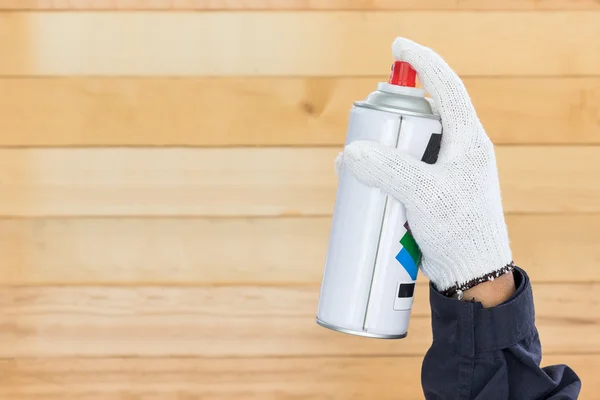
column 453, row 207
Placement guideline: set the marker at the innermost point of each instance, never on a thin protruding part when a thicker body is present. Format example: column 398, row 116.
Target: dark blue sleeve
column 491, row 353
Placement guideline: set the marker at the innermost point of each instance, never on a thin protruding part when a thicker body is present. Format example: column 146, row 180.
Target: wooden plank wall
column 166, row 187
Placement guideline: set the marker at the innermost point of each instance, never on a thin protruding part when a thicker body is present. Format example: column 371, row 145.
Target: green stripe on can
column 408, row 242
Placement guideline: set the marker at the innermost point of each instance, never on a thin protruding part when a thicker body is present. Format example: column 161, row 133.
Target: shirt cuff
column 473, row 329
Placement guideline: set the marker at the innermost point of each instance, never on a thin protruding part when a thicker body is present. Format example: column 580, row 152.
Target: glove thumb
column 383, row 167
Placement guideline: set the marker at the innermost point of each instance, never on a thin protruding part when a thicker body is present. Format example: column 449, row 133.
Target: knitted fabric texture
column 453, row 207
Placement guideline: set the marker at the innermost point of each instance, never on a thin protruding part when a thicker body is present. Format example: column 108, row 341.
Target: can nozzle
column 402, row 74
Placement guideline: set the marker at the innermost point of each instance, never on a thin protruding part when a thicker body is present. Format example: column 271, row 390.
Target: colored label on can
column 410, row 255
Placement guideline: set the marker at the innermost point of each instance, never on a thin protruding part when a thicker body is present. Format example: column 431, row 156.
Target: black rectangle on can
column 406, row 290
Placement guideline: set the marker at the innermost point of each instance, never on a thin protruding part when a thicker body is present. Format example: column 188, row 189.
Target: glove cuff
column 490, row 276
column 487, row 257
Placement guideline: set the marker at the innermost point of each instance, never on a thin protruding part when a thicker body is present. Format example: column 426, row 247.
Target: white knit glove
column 453, row 207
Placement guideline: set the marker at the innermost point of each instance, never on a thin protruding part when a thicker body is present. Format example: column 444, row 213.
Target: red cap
column 402, row 74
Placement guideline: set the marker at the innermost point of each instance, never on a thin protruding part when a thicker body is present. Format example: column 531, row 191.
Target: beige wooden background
column 166, row 186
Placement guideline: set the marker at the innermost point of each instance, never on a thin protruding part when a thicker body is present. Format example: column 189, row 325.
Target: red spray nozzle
column 402, row 74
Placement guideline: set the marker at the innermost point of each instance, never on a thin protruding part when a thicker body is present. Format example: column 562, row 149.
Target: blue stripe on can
column 408, row 263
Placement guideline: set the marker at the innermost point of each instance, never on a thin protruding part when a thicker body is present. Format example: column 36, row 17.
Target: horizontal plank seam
column 244, row 216
column 201, row 285
column 274, row 77
column 267, row 76
column 74, row 10
column 591, row 354
column 250, row 217
column 581, row 145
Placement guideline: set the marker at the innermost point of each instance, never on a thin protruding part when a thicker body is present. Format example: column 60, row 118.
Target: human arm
column 491, row 353
column 455, row 213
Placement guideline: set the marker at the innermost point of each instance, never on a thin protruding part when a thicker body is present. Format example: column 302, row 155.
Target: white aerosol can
column 372, row 259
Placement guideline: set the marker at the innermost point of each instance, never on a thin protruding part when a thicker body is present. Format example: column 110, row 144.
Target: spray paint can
column 372, row 259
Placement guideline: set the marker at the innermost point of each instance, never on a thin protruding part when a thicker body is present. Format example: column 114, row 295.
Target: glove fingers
column 444, row 86
column 383, row 167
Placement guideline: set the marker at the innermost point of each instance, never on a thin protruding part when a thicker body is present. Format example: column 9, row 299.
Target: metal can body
column 372, row 259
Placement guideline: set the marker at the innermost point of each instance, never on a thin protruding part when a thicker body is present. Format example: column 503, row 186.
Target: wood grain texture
column 268, row 111
column 173, row 280
column 263, row 251
column 300, row 5
column 167, row 181
column 234, row 378
column 239, row 321
column 294, row 44
column 253, row 182
column 179, row 251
